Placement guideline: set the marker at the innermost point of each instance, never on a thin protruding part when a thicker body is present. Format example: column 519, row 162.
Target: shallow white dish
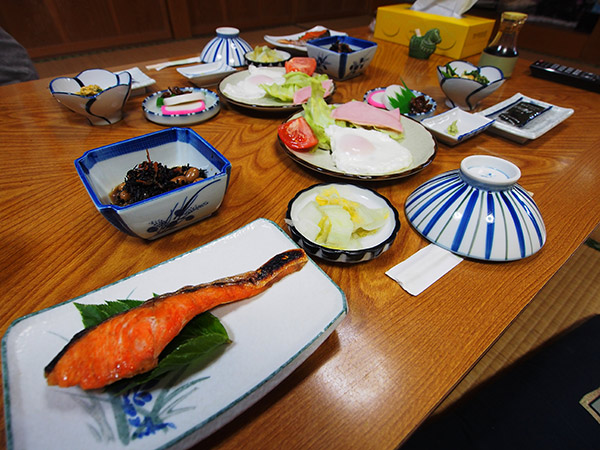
column 532, row 130
column 468, row 125
column 274, row 40
column 154, row 114
column 206, row 74
column 372, row 245
column 417, row 139
column 266, row 103
column 139, row 81
column 305, row 307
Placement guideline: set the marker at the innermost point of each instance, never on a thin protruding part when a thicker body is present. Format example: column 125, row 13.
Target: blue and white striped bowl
column 227, row 47
column 478, row 211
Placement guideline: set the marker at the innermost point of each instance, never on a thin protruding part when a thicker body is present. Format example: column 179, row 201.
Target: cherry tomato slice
column 297, row 134
column 301, row 64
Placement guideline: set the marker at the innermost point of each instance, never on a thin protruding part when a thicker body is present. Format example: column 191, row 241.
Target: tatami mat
column 571, row 295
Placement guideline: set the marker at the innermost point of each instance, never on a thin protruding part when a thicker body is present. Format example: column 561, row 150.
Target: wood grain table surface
column 395, row 356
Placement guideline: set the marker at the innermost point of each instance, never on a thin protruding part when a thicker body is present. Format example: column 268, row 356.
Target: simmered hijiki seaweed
column 151, row 178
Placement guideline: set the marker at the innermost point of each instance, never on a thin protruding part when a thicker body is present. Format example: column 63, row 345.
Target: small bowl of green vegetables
column 466, row 85
column 263, row 56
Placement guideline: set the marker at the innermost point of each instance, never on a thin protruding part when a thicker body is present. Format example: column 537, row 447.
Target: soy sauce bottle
column 502, row 51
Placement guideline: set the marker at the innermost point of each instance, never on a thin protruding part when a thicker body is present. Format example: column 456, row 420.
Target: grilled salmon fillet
column 130, row 343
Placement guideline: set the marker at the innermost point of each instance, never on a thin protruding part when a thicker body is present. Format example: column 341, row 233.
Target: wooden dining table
column 395, row 356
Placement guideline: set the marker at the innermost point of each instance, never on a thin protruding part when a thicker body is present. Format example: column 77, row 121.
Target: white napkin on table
column 424, row 268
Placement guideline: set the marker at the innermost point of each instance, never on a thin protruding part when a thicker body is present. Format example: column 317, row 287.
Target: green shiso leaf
column 402, row 99
column 195, row 344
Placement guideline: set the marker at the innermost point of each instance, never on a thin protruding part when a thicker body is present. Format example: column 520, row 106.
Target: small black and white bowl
column 282, row 57
column 371, row 246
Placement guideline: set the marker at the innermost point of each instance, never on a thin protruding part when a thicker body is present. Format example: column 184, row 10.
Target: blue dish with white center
column 478, row 211
column 341, row 65
column 103, row 168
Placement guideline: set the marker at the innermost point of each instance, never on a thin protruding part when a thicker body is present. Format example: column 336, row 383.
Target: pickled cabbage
column 336, row 222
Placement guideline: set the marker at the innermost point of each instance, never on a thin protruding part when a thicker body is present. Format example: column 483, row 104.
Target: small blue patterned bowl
column 103, row 168
column 103, row 108
column 479, row 211
column 227, row 47
column 338, row 65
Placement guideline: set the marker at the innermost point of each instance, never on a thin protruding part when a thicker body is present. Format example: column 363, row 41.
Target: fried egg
column 249, row 88
column 366, row 152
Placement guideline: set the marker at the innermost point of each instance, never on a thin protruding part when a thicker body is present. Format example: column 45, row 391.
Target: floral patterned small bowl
column 340, row 65
column 103, row 108
column 103, row 168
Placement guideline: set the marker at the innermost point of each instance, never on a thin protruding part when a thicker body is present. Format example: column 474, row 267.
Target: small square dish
column 206, row 74
column 456, row 125
column 139, row 81
column 551, row 116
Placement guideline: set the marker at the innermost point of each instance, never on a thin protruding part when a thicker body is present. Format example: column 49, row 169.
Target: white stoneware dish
column 305, row 307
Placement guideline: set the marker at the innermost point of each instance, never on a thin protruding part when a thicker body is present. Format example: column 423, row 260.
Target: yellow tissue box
column 460, row 37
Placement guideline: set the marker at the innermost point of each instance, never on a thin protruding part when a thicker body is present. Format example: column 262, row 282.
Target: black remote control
column 566, row 75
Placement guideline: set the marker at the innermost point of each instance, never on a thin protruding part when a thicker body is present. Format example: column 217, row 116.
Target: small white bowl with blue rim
column 339, row 65
column 103, row 168
column 227, row 47
column 103, row 108
column 464, row 92
column 478, row 211
column 455, row 126
column 154, row 113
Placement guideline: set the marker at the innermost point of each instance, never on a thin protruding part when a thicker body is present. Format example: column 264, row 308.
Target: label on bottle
column 505, row 63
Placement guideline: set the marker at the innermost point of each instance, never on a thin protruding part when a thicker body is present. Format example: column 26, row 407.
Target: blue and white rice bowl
column 478, row 211
column 103, row 168
column 104, row 108
column 227, row 47
column 154, row 113
column 371, row 246
column 341, row 66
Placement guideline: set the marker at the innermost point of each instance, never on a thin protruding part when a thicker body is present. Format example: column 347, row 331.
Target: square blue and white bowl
column 103, row 168
column 466, row 125
column 339, row 65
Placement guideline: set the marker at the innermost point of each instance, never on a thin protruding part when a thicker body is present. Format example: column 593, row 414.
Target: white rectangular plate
column 532, row 130
column 272, row 334
column 206, row 74
column 274, row 40
column 139, row 81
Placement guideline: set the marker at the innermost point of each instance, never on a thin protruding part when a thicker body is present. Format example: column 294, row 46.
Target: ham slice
column 303, row 94
column 362, row 113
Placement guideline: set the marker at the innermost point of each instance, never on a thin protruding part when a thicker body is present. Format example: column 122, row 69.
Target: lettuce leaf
column 318, row 115
column 293, row 82
column 195, row 344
